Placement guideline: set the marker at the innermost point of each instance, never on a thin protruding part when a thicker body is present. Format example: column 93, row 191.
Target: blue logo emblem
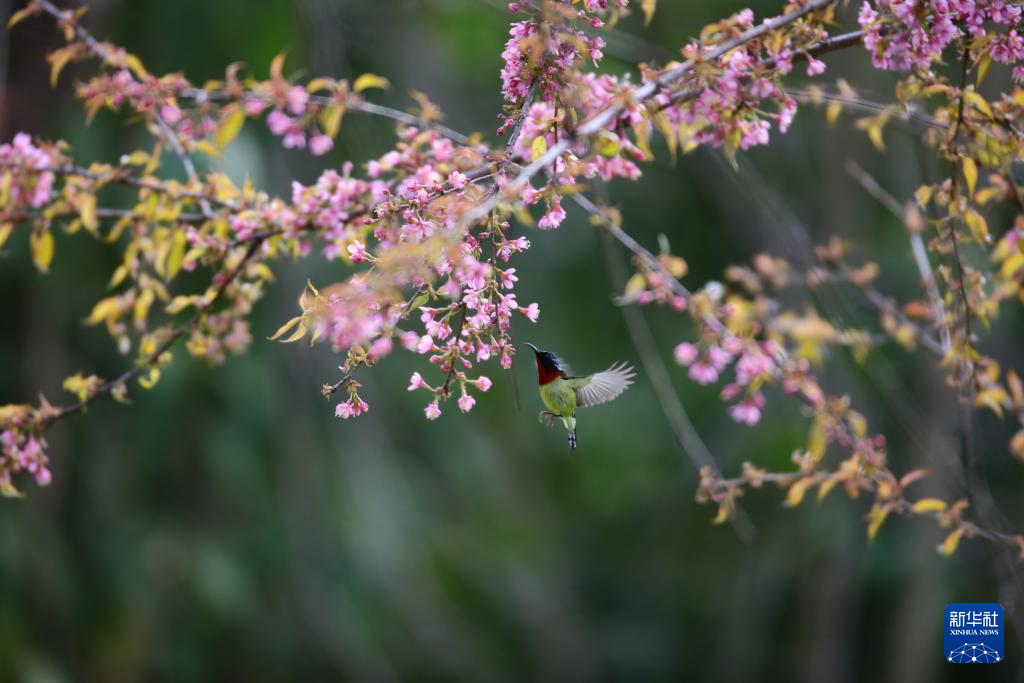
column 974, row 633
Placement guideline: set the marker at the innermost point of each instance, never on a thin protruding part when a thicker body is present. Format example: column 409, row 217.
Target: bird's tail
column 570, row 425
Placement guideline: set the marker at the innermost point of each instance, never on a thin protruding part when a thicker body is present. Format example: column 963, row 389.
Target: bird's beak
column 535, row 349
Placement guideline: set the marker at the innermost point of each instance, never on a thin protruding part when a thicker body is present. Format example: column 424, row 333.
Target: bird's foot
column 547, row 418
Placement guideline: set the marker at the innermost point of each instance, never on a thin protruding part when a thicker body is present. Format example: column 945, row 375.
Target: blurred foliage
column 227, row 526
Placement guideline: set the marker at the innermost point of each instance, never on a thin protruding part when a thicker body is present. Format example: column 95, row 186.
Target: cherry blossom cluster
column 21, row 450
column 753, row 363
column 726, row 103
column 547, row 49
column 28, row 182
column 912, row 34
column 364, row 318
column 424, row 236
column 295, row 123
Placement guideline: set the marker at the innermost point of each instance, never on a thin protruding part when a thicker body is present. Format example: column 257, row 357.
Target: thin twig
column 103, row 53
column 455, row 348
column 668, row 400
column 121, row 177
column 175, row 334
column 917, row 246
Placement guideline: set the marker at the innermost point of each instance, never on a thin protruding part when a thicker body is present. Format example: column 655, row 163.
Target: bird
column 562, row 393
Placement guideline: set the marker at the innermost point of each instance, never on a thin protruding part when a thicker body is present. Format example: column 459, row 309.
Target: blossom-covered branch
column 424, row 234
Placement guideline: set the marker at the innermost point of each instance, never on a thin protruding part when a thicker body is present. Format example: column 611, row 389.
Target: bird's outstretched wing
column 602, row 387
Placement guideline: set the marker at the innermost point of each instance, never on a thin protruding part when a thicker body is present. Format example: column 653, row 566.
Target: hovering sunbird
column 563, row 393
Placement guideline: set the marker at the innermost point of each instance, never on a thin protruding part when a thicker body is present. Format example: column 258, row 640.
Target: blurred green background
column 228, row 527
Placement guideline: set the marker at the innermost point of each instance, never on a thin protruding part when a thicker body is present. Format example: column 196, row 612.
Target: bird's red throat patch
column 546, row 374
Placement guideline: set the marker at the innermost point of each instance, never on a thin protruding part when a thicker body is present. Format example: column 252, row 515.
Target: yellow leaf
column 1017, row 445
column 983, row 66
column 877, row 515
column 228, row 128
column 41, row 244
column 979, row 102
column 816, row 443
column 367, row 81
column 277, row 66
column 643, row 135
column 142, row 304
column 150, row 380
column 88, row 213
column 58, row 60
column 538, row 147
column 105, row 309
column 287, row 326
column 992, row 399
column 951, row 542
column 825, row 488
column 7, row 490
column 725, row 510
column 978, row 226
column 796, row 492
column 636, row 284
column 875, row 135
column 206, row 147
column 858, row 424
column 22, row 14
column 923, row 195
column 832, row 112
column 330, row 119
column 320, row 84
column 1011, row 265
column 5, row 232
column 295, row 336
column 120, row 393
column 136, row 67
column 177, row 255
column 264, row 271
column 647, row 7
column 928, row 505
column 118, row 277
column 663, row 125
column 607, row 144
column 179, row 304
column 970, row 174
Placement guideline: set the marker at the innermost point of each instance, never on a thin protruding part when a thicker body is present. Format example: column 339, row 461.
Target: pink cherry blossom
column 686, row 353
column 466, row 402
column 703, row 372
column 416, row 382
column 320, row 144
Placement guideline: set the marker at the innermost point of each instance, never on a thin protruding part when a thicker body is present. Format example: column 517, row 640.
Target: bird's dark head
column 548, row 366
